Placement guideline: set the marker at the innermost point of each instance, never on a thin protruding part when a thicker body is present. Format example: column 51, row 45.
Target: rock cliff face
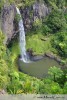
column 8, row 15
column 40, row 10
column 30, row 14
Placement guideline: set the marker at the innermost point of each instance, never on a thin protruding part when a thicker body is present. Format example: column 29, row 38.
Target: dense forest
column 45, row 34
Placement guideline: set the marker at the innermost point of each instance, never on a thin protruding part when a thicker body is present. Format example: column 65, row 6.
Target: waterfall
column 22, row 41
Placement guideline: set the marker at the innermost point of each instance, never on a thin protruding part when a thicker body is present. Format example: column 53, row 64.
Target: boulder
column 50, row 55
column 2, row 92
column 36, row 58
column 58, row 59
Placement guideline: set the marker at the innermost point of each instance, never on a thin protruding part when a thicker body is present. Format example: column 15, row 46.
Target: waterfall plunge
column 22, row 41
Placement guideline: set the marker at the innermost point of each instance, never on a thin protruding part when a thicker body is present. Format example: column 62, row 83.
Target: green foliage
column 37, row 24
column 62, row 80
column 51, row 87
column 60, row 3
column 55, row 88
column 46, row 30
column 24, row 3
column 3, row 64
column 28, row 2
column 17, row 18
column 55, row 73
column 60, row 43
column 3, row 67
column 16, row 82
column 37, row 45
column 65, row 15
column 11, row 1
column 15, row 85
column 1, row 4
column 13, row 53
column 56, row 21
column 4, row 80
column 22, row 83
column 56, row 3
column 30, row 84
column 35, row 41
column 65, row 88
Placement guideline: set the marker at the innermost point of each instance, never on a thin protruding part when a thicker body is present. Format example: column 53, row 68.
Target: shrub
column 46, row 30
column 56, row 21
column 65, row 88
column 3, row 64
column 55, row 73
column 60, row 43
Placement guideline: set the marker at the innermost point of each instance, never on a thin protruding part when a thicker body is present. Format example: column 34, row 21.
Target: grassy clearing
column 38, row 43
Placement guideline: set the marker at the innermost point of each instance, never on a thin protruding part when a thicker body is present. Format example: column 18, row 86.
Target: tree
column 55, row 73
column 56, row 21
column 60, row 3
column 60, row 43
column 56, row 3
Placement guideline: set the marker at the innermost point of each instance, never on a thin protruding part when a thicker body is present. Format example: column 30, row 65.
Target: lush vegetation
column 3, row 65
column 16, row 82
column 42, row 43
column 46, row 35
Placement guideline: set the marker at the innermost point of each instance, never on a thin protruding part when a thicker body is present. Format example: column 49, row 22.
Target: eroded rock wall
column 30, row 14
column 8, row 15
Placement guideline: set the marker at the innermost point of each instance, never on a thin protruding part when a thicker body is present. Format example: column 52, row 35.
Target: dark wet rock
column 25, row 12
column 32, row 56
column 36, row 58
column 19, row 56
column 50, row 55
column 30, row 52
column 58, row 59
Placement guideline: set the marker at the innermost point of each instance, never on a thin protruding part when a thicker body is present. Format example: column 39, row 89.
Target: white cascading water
column 22, row 41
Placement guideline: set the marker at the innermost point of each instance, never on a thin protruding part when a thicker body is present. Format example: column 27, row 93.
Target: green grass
column 15, row 51
column 37, row 45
